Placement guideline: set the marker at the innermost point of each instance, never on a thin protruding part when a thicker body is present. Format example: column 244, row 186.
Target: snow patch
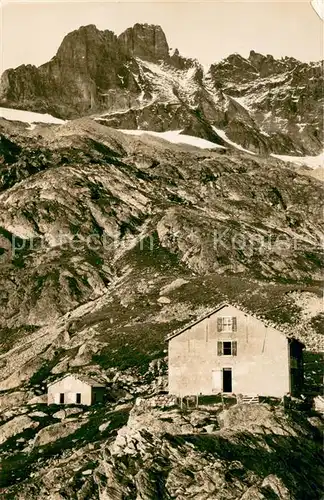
column 223, row 135
column 30, row 117
column 168, row 82
column 303, row 161
column 176, row 137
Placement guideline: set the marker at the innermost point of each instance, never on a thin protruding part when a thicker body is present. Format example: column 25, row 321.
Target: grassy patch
column 317, row 323
column 8, row 336
column 313, row 373
column 136, row 352
column 41, row 375
column 149, row 253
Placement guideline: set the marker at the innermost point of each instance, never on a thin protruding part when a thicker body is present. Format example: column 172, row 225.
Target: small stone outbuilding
column 75, row 389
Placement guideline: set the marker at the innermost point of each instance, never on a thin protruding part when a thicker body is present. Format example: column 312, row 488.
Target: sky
column 31, row 32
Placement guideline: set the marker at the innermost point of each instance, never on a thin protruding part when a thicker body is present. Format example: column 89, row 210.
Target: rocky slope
column 133, row 81
column 147, row 450
column 110, row 241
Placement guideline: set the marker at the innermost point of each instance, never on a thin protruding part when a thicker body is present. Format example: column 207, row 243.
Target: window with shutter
column 227, row 324
column 227, row 348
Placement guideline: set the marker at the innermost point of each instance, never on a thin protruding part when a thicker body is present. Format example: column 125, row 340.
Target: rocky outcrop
column 12, row 399
column 219, row 450
column 56, row 431
column 319, row 404
column 209, row 458
column 255, row 418
column 92, row 70
column 109, row 242
column 146, row 41
column 283, row 98
column 88, row 64
column 16, row 426
column 67, row 412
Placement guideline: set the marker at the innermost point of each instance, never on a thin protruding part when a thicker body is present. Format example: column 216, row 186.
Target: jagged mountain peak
column 258, row 61
column 146, row 27
column 146, row 41
column 135, row 80
column 88, row 34
column 88, row 28
column 88, row 38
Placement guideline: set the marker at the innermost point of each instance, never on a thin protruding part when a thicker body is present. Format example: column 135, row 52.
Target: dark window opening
column 227, row 348
column 62, row 398
column 78, row 397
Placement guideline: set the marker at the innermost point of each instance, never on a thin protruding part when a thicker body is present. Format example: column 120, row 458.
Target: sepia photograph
column 161, row 250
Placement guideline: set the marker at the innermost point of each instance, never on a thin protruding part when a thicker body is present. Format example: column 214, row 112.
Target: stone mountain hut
column 75, row 389
column 232, row 351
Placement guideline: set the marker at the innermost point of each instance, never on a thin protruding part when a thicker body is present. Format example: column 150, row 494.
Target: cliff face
column 283, row 99
column 132, row 81
column 88, row 63
column 91, row 70
column 145, row 41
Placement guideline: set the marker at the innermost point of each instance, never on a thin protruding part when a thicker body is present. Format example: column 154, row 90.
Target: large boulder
column 12, row 399
column 16, row 426
column 56, row 431
column 319, row 404
column 253, row 417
